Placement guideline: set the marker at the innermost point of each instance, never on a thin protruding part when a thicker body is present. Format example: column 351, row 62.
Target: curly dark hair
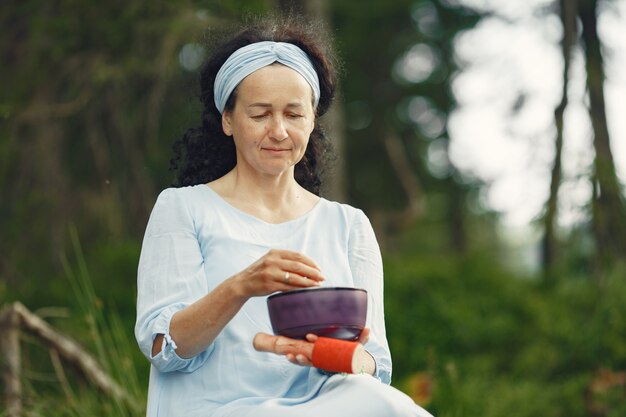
column 205, row 153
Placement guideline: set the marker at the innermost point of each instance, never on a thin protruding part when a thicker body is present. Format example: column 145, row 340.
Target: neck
column 269, row 191
column 274, row 199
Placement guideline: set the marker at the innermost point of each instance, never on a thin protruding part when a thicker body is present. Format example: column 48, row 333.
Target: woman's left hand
column 298, row 352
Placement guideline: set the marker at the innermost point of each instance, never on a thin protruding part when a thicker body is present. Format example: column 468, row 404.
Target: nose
column 277, row 129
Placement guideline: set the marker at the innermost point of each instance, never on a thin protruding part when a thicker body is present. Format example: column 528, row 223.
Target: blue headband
column 246, row 60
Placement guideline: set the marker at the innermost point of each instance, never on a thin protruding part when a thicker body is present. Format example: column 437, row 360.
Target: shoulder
column 182, row 197
column 347, row 214
column 186, row 193
column 176, row 206
column 352, row 223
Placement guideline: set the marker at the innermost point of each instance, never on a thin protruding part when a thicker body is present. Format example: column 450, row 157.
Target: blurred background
column 485, row 139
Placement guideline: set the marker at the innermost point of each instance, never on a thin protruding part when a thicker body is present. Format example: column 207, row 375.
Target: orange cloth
column 333, row 355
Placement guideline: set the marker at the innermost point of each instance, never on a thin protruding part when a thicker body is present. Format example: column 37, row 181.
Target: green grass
column 54, row 389
column 496, row 344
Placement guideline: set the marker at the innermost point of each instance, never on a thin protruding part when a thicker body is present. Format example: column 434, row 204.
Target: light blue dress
column 194, row 240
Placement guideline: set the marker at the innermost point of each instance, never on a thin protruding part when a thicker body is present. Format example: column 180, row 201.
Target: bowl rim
column 285, row 293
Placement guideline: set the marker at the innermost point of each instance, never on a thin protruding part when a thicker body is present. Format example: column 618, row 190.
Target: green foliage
column 372, row 37
column 497, row 344
column 52, row 389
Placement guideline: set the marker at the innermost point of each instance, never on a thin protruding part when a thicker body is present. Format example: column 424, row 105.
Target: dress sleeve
column 367, row 271
column 170, row 277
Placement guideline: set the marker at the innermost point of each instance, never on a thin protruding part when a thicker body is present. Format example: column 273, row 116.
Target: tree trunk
column 456, row 216
column 11, row 361
column 410, row 182
column 608, row 207
column 568, row 10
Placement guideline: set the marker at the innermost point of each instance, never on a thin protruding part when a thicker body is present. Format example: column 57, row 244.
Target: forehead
column 275, row 82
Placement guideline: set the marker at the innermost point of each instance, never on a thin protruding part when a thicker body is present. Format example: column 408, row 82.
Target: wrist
column 237, row 288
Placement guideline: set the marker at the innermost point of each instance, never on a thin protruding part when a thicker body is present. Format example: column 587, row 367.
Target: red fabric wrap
column 333, row 355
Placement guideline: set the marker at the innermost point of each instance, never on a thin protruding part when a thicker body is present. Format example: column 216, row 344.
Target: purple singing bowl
column 337, row 312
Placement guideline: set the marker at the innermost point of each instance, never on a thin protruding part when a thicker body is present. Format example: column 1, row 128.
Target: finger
column 299, row 359
column 364, row 336
column 281, row 345
column 294, row 280
column 303, row 360
column 263, row 342
column 310, row 337
column 285, row 345
column 296, row 257
column 298, row 268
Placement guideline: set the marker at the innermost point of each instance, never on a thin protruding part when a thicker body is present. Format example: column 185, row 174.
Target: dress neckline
column 243, row 213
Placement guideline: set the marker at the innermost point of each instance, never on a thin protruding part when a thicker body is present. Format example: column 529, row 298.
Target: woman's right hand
column 278, row 270
column 195, row 327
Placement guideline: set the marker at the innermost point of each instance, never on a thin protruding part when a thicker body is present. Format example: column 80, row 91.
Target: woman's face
column 271, row 121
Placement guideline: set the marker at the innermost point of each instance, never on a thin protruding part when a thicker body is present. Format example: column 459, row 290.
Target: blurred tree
column 567, row 14
column 95, row 99
column 92, row 104
column 608, row 206
column 399, row 59
column 608, row 209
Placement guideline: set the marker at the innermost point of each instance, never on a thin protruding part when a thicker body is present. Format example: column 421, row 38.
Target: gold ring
column 286, row 277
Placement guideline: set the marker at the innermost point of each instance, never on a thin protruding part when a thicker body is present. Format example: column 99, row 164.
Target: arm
column 372, row 354
column 170, row 277
column 197, row 326
column 367, row 271
column 300, row 352
column 177, row 317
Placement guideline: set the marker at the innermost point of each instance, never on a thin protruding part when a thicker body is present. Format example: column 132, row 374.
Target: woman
column 248, row 222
